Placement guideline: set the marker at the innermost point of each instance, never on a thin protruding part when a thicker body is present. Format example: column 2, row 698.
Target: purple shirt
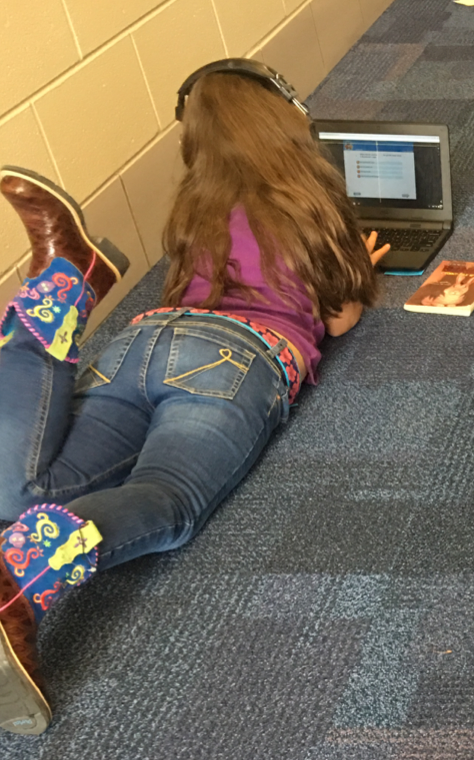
column 299, row 326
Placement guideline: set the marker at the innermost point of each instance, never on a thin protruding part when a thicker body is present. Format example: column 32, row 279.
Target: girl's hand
column 370, row 242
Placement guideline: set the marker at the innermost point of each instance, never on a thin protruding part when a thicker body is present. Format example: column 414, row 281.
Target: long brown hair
column 244, row 145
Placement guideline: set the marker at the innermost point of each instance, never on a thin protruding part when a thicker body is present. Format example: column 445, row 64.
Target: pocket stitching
column 262, row 351
column 99, row 379
column 178, row 335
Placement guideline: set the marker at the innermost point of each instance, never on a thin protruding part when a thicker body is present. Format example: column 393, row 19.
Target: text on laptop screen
column 383, row 170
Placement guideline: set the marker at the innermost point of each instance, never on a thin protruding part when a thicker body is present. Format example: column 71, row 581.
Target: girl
column 265, row 256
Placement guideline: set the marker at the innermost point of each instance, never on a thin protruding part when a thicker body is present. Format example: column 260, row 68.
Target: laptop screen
column 388, row 170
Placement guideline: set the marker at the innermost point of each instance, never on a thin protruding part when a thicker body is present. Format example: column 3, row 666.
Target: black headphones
column 267, row 77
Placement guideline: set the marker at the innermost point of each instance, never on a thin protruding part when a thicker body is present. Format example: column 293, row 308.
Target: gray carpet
column 326, row 611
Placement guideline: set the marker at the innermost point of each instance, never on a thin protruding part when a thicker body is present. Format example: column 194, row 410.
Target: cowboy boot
column 46, row 552
column 70, row 272
column 54, row 307
column 55, row 226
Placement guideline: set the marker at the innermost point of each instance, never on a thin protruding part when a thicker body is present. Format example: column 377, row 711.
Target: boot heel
column 111, row 254
column 23, row 709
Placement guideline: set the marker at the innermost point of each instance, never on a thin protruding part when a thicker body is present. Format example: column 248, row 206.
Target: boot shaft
column 54, row 307
column 48, row 551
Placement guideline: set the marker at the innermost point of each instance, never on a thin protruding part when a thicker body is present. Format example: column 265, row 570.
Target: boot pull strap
column 20, row 593
column 86, row 276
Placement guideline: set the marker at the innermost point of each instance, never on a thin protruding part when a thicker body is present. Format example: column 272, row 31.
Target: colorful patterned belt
column 285, row 357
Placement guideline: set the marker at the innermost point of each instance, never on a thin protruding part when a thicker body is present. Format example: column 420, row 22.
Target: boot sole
column 23, row 709
column 107, row 251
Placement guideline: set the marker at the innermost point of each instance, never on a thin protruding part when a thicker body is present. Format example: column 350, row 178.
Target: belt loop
column 273, row 352
column 176, row 315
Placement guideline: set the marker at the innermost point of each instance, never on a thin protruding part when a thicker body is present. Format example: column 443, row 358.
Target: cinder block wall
column 88, row 94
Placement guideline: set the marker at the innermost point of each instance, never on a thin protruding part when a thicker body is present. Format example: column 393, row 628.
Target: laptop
column 399, row 180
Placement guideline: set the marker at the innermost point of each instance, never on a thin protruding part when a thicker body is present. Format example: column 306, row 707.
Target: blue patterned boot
column 44, row 554
column 54, row 307
column 70, row 271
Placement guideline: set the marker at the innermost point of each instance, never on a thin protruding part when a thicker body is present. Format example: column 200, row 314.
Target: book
column 448, row 290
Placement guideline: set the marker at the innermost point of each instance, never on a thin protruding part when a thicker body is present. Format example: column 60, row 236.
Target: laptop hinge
column 394, row 223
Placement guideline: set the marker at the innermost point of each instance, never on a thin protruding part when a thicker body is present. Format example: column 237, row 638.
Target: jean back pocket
column 103, row 369
column 207, row 362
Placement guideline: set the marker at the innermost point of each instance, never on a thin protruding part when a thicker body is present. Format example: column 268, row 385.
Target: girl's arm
column 351, row 311
column 349, row 315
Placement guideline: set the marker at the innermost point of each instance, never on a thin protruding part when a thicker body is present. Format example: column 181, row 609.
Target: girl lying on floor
column 134, row 456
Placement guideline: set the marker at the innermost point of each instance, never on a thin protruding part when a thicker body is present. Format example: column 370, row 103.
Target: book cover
column 448, row 290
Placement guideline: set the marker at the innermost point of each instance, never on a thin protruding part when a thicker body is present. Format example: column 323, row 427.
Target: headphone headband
column 267, row 77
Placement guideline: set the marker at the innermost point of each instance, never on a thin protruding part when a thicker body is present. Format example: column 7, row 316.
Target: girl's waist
column 296, row 353
column 286, row 355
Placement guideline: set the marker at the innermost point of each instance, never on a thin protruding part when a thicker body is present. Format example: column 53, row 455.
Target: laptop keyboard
column 406, row 239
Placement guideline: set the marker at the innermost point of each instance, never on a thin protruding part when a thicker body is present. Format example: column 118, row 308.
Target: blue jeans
column 150, row 439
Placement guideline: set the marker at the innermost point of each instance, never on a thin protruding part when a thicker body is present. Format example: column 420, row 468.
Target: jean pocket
column 104, row 367
column 207, row 363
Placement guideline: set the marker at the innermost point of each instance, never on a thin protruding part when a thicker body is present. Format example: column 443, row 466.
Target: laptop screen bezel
column 398, row 128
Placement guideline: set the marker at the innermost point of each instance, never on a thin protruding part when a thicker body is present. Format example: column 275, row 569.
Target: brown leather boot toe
column 56, row 228
column 23, row 708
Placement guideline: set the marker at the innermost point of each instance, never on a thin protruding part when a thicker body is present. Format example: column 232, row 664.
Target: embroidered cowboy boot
column 70, row 271
column 46, row 552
